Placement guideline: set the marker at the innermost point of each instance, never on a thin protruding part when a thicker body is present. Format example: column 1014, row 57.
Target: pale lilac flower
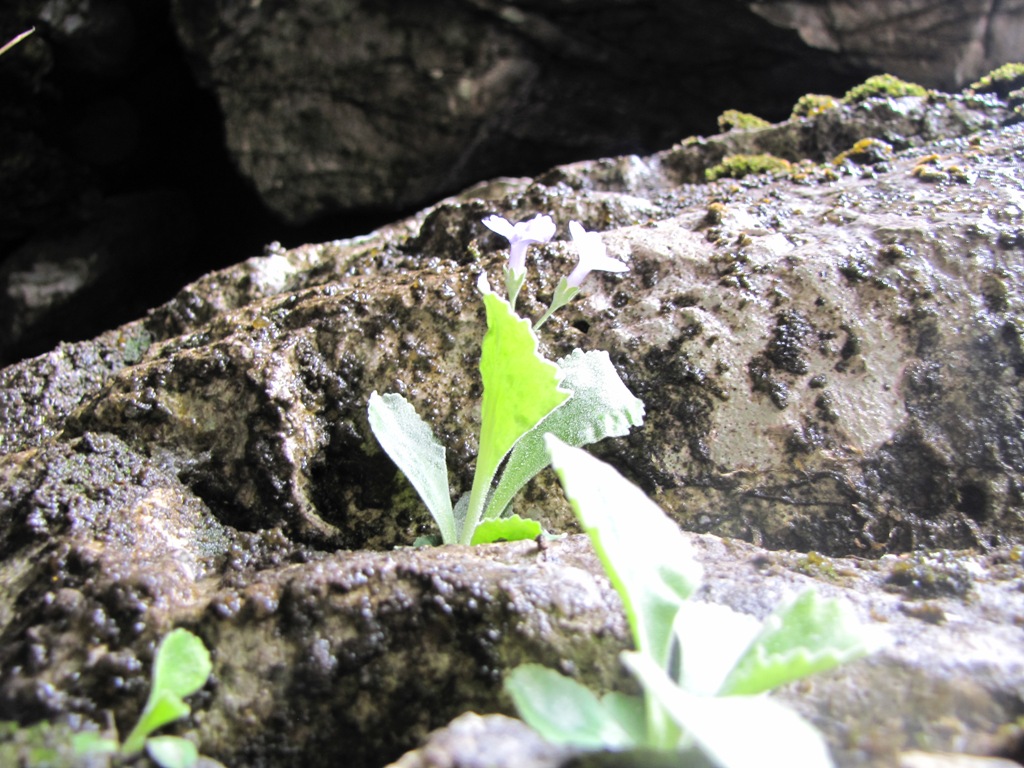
column 592, row 255
column 539, row 229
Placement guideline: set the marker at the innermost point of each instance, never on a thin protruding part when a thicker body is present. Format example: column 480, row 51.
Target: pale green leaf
column 735, row 731
column 172, row 752
column 161, row 708
column 514, row 528
column 601, row 406
column 629, row 713
column 712, row 638
column 521, row 387
column 92, row 743
column 410, row 443
column 562, row 710
column 648, row 559
column 182, row 664
column 181, row 668
column 811, row 634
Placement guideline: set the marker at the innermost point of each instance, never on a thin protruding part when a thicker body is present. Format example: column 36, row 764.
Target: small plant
column 180, row 669
column 580, row 398
column 702, row 667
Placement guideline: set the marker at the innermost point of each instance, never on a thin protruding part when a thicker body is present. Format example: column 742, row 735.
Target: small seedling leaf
column 562, row 710
column 601, row 406
column 181, row 668
column 172, row 752
column 734, row 731
column 162, row 707
column 811, row 634
column 512, row 528
column 182, row 664
column 648, row 559
column 411, row 444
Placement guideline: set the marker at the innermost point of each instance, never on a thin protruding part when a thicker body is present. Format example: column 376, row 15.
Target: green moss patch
column 738, row 166
column 884, row 86
column 1001, row 81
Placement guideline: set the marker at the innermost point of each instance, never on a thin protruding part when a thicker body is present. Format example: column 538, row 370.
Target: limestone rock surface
column 831, row 363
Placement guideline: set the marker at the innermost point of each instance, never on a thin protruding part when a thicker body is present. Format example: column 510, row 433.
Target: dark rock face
column 830, row 362
column 333, row 105
column 942, row 44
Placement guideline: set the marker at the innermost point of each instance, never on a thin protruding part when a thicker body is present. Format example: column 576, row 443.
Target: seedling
column 180, row 669
column 702, row 667
column 579, row 398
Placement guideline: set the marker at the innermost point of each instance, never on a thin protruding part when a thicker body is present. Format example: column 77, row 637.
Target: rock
column 93, row 272
column 830, row 361
column 943, row 44
column 332, row 106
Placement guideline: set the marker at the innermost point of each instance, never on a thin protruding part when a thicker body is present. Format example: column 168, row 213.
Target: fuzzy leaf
column 562, row 710
column 811, row 634
column 734, row 731
column 601, row 406
column 411, row 444
column 646, row 556
column 712, row 638
column 521, row 387
column 514, row 528
column 172, row 752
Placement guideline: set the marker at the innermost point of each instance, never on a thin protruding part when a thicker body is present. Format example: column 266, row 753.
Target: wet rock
column 831, row 360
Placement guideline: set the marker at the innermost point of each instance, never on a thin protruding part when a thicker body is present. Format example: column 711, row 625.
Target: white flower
column 539, row 229
column 592, row 255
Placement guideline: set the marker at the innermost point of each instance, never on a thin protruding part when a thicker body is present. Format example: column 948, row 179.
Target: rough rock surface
column 944, row 44
column 332, row 105
column 831, row 363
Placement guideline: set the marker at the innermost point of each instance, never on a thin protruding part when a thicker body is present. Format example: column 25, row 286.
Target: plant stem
column 477, row 499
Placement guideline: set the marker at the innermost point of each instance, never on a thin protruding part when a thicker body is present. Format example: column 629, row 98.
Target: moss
column 927, row 575
column 865, row 152
column 1001, row 81
column 738, row 166
column 733, row 119
column 813, row 104
column 816, row 564
column 882, row 86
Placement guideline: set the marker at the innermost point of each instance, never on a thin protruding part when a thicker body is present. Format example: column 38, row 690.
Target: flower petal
column 500, row 225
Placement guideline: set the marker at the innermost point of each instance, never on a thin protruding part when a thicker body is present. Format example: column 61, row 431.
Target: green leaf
column 562, row 710
column 811, row 634
column 648, row 559
column 629, row 713
column 172, row 752
column 512, row 528
column 712, row 638
column 92, row 743
column 601, row 406
column 411, row 444
column 161, row 708
column 734, row 731
column 181, row 668
column 182, row 664
column 521, row 387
